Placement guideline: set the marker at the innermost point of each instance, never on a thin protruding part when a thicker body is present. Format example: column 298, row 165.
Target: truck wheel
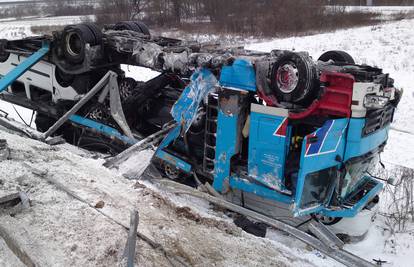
column 172, row 172
column 4, row 56
column 43, row 122
column 64, row 79
column 75, row 37
column 337, row 56
column 326, row 220
column 100, row 144
column 293, row 78
column 135, row 26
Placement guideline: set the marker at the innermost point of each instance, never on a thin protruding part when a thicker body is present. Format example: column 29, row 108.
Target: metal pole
column 77, row 106
column 132, row 238
column 14, row 74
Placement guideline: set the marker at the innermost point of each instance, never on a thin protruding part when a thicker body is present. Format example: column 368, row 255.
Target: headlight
column 375, row 102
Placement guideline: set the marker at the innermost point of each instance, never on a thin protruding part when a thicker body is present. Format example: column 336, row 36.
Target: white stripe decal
column 326, row 136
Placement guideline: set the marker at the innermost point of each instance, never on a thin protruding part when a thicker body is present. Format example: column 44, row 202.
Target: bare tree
column 113, row 11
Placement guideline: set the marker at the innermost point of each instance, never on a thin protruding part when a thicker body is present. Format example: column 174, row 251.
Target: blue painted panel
column 321, row 141
column 330, row 143
column 171, row 136
column 239, row 75
column 173, row 160
column 268, row 144
column 319, row 151
column 351, row 212
column 101, row 128
column 185, row 109
column 358, row 145
column 262, row 191
column 18, row 71
column 225, row 147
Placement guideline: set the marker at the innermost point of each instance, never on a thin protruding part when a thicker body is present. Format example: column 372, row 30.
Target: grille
column 378, row 119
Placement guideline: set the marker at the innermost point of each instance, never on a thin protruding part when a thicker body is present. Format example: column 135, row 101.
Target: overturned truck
column 278, row 133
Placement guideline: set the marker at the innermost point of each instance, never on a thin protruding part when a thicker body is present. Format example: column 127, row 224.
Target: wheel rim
column 327, row 220
column 287, row 78
column 126, row 88
column 74, row 44
column 171, row 172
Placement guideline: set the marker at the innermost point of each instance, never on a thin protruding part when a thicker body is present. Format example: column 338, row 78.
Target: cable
column 378, row 178
column 18, row 114
column 31, row 119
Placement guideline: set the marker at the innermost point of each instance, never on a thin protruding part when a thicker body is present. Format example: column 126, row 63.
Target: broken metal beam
column 114, row 162
column 129, row 252
column 102, row 83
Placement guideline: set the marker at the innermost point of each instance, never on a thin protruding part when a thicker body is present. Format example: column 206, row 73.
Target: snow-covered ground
column 59, row 230
column 15, row 29
column 381, row 9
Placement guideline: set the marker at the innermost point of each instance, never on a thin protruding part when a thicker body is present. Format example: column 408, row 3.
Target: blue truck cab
column 312, row 161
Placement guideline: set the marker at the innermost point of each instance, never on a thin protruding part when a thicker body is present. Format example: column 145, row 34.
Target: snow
column 379, row 244
column 60, row 230
column 20, row 28
column 139, row 73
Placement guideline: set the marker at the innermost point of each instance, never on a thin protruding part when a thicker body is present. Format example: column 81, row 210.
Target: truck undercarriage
column 278, row 133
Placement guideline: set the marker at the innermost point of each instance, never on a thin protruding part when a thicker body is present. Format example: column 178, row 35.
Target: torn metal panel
column 116, row 107
column 185, row 109
column 147, row 55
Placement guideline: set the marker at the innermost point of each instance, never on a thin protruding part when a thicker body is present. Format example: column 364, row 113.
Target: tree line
column 253, row 17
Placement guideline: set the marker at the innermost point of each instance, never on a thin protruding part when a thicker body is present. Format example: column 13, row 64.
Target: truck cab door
column 318, row 172
column 268, row 146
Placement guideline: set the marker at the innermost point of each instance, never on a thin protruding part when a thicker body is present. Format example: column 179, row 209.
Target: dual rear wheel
column 75, row 37
column 294, row 77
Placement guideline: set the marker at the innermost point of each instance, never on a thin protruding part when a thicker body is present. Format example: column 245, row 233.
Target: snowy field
column 389, row 46
column 15, row 29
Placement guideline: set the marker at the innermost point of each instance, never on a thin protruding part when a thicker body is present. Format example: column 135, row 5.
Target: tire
column 135, row 26
column 100, row 144
column 96, row 32
column 328, row 220
column 293, row 79
column 63, row 79
column 337, row 57
column 75, row 37
column 4, row 56
column 172, row 172
column 144, row 28
column 43, row 122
